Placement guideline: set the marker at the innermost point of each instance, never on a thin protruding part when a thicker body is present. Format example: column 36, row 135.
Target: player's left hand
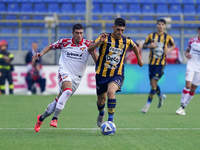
column 141, row 63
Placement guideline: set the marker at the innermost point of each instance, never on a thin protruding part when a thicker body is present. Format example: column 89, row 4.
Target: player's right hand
column 37, row 55
column 103, row 37
column 152, row 45
column 188, row 55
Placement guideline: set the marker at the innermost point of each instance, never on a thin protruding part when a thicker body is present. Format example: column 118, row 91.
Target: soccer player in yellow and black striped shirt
column 160, row 44
column 110, row 66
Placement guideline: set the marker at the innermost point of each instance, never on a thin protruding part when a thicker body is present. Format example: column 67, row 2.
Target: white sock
column 184, row 95
column 63, row 98
column 189, row 98
column 51, row 107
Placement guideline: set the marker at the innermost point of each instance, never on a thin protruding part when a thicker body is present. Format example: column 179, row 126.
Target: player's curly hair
column 120, row 22
column 77, row 26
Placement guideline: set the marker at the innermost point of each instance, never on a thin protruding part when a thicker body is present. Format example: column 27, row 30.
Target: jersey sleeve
column 131, row 44
column 11, row 56
column 148, row 39
column 57, row 45
column 171, row 41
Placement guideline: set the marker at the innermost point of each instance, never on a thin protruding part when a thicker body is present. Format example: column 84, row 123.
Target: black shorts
column 156, row 71
column 102, row 83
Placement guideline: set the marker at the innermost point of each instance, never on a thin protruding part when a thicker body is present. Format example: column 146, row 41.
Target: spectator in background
column 33, row 76
column 174, row 57
column 34, row 68
column 6, row 67
column 32, row 52
column 130, row 57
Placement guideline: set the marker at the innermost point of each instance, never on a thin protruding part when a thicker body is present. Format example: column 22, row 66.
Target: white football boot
column 161, row 99
column 180, row 111
column 146, row 108
column 100, row 119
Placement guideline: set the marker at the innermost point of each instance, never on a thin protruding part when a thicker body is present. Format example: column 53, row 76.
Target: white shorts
column 67, row 77
column 193, row 77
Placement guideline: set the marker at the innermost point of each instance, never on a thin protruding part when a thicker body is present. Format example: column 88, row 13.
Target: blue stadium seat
column 107, row 8
column 147, row 31
column 176, row 18
column 132, row 1
column 65, row 18
column 189, row 9
column 146, row 1
column 38, row 24
column 96, row 24
column 35, row 31
column 134, row 8
column 80, row 8
column 21, row 1
column 24, row 43
column 77, row 1
column 189, row 18
column 64, row 1
column 174, row 1
column 13, row 42
column 177, row 41
column 25, row 17
column 8, row 1
column 2, row 7
column 118, row 1
column 186, row 40
column 174, row 31
column 162, row 8
column 121, row 8
column 64, row 31
column 96, row 8
column 1, row 18
column 80, row 17
column 160, row 2
column 13, row 7
column 53, row 8
column 26, row 7
column 35, row 1
column 188, row 1
column 40, row 7
column 190, row 31
column 97, row 31
column 132, row 31
column 148, row 18
column 126, row 17
column 109, row 25
column 9, row 30
column 49, row 1
column 67, row 8
column 198, row 8
column 105, row 2
column 11, row 17
column 148, row 8
column 175, row 9
column 134, row 18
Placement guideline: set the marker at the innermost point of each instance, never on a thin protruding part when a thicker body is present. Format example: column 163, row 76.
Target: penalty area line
column 92, row 129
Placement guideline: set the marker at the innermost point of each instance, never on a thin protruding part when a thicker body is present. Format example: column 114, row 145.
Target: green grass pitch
column 158, row 129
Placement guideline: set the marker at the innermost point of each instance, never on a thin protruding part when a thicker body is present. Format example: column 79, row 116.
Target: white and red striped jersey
column 74, row 57
column 194, row 62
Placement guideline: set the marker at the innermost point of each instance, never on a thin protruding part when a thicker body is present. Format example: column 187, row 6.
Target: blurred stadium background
column 45, row 21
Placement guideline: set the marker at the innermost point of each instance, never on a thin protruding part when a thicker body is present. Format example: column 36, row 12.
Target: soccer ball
column 108, row 128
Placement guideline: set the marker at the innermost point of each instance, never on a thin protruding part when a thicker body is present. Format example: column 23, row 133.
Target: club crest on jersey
column 82, row 48
column 65, row 77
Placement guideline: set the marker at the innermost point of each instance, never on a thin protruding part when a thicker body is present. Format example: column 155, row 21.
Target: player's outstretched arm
column 94, row 56
column 93, row 46
column 44, row 51
column 136, row 51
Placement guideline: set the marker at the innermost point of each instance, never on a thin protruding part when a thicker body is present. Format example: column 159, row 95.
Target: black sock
column 54, row 118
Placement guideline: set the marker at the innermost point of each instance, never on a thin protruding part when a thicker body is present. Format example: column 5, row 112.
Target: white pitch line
column 83, row 129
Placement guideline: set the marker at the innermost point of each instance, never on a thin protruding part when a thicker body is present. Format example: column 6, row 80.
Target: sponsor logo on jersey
column 74, row 55
column 116, row 50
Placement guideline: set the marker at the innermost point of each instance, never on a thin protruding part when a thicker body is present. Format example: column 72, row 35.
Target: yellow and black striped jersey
column 111, row 55
column 157, row 55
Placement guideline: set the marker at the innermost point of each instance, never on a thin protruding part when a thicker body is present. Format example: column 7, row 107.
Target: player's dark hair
column 120, row 22
column 161, row 20
column 198, row 28
column 77, row 26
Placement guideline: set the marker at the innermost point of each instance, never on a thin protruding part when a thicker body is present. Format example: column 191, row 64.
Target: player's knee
column 101, row 102
column 111, row 94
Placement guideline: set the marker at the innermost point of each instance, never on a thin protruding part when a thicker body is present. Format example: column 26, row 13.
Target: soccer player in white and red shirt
column 192, row 73
column 72, row 65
